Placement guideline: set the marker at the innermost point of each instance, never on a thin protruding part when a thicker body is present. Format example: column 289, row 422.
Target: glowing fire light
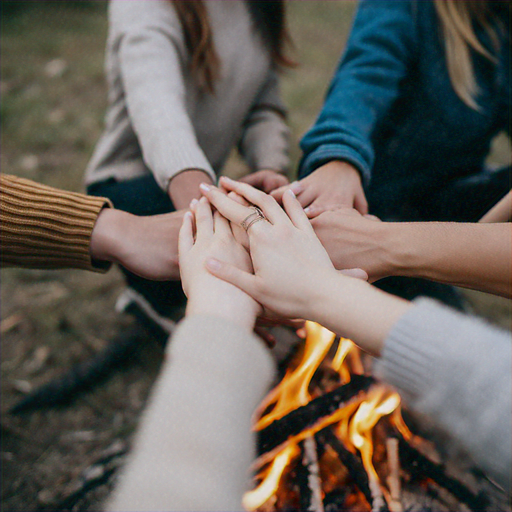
column 257, row 497
column 292, row 391
column 355, row 421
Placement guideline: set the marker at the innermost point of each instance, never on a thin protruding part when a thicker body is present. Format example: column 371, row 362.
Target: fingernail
column 213, row 264
column 188, row 215
column 225, row 178
column 193, row 202
column 307, row 210
column 296, row 187
column 205, row 187
column 290, row 192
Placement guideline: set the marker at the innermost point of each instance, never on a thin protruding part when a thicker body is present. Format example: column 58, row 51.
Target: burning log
column 311, row 417
column 422, row 467
column 356, row 470
column 308, row 477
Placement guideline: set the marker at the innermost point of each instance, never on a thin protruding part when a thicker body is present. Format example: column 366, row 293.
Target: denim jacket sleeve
column 379, row 52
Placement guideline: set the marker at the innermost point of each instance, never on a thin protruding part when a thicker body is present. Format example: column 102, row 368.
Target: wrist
column 106, row 237
column 356, row 310
column 227, row 303
column 184, row 186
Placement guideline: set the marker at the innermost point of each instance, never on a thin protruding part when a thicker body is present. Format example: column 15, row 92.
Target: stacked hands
column 278, row 263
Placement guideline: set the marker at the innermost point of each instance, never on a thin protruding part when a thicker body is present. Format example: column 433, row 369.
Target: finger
column 360, row 204
column 369, row 216
column 318, row 207
column 186, row 236
column 228, row 207
column 295, row 211
column 204, row 218
column 357, row 273
column 221, row 225
column 231, row 274
column 297, row 188
column 238, row 198
column 274, row 181
column 255, row 180
column 266, row 203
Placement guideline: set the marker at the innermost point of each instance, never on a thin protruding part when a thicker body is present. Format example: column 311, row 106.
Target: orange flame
column 252, row 500
column 355, row 421
column 292, row 391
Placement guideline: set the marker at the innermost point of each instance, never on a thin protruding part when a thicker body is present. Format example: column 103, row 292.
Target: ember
column 332, row 438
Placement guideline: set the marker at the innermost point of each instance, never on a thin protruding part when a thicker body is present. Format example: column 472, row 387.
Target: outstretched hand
column 213, row 239
column 288, row 259
column 146, row 246
column 331, row 186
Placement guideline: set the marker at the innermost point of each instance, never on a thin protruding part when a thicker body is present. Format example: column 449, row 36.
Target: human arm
column 440, row 360
column 45, row 227
column 470, row 255
column 152, row 57
column 195, row 445
column 265, row 139
column 378, row 55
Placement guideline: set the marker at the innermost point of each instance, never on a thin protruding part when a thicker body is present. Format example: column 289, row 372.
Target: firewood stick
column 309, row 480
column 395, row 504
column 355, row 467
column 421, row 466
column 310, row 415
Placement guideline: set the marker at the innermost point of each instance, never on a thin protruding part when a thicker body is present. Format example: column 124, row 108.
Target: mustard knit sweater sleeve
column 43, row 227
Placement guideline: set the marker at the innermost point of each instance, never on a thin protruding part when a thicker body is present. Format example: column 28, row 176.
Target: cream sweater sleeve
column 195, row 444
column 152, row 58
column 43, row 227
column 457, row 372
column 266, row 137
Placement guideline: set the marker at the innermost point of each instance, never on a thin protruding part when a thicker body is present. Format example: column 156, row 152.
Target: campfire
column 331, row 437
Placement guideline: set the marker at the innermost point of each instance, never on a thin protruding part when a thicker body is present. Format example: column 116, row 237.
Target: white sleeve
column 195, row 445
column 152, row 57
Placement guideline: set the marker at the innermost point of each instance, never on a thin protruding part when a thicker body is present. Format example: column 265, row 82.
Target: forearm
column 43, row 227
column 475, row 256
column 195, row 445
column 185, row 186
column 354, row 309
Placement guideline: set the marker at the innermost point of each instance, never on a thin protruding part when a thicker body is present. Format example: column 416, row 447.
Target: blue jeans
column 142, row 196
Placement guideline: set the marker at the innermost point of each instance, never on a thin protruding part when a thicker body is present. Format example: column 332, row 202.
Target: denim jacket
column 391, row 110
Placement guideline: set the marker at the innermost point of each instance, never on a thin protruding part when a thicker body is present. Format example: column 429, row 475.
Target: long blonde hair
column 456, row 18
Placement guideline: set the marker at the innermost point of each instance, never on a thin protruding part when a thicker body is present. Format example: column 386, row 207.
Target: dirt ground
column 53, row 100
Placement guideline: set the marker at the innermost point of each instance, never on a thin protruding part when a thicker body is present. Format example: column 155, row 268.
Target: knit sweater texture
column 456, row 372
column 160, row 121
column 47, row 228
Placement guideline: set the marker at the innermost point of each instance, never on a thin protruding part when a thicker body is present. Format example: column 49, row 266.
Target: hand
column 266, row 180
column 294, row 276
column 206, row 293
column 287, row 257
column 355, row 241
column 146, row 246
column 331, row 186
column 185, row 186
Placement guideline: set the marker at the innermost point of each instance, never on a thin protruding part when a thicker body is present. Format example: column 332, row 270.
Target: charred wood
column 308, row 477
column 420, row 466
column 355, row 467
column 312, row 414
